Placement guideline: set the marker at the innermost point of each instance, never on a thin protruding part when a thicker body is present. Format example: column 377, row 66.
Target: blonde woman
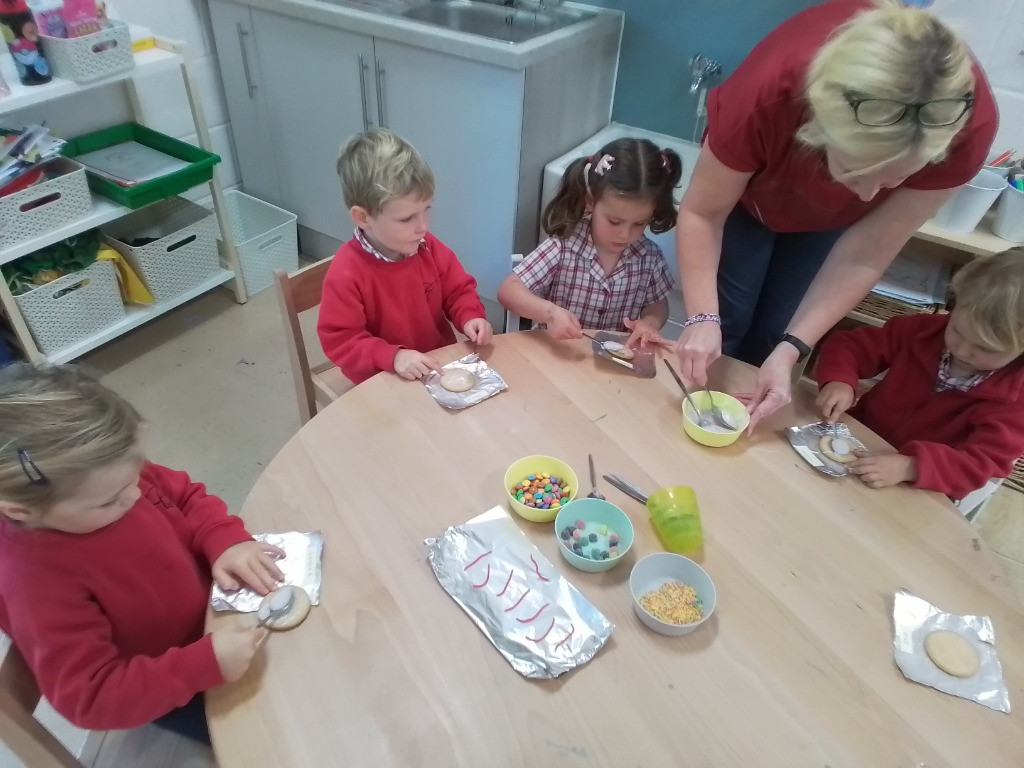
column 832, row 143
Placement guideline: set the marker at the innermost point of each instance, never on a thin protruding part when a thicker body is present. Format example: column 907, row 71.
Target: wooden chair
column 297, row 292
column 21, row 732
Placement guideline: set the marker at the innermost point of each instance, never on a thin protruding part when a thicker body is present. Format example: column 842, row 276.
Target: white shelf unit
column 168, row 55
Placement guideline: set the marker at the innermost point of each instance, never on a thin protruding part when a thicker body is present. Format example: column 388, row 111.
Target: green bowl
column 597, row 512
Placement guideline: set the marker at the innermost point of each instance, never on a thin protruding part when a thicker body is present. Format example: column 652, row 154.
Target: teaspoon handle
column 682, row 386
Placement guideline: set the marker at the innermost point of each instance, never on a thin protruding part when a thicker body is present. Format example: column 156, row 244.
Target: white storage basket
column 46, row 206
column 183, row 252
column 90, row 57
column 265, row 237
column 73, row 307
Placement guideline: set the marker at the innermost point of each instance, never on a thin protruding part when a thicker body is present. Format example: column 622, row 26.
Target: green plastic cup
column 676, row 518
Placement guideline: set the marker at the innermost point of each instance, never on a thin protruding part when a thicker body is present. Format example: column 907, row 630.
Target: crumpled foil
column 537, row 620
column 805, row 439
column 300, row 565
column 915, row 619
column 642, row 363
column 488, row 384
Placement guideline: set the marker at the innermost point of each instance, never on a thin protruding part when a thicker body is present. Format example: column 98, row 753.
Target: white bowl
column 659, row 568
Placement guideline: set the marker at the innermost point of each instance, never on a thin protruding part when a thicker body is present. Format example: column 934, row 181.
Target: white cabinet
column 297, row 89
column 27, row 104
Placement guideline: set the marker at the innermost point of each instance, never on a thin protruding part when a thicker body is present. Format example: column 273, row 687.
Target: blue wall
column 660, row 36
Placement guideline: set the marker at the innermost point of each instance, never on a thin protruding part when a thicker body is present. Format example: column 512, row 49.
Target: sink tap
column 703, row 69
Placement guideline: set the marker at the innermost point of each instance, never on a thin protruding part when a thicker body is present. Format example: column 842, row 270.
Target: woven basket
column 1015, row 482
column 877, row 309
column 265, row 238
column 90, row 57
column 47, row 206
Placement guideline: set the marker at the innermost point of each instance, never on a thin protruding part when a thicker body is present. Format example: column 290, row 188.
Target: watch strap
column 801, row 347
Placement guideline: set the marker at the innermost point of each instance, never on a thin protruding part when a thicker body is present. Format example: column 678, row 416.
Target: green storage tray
column 200, row 169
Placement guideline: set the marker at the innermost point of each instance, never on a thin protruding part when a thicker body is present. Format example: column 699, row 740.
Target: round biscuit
column 825, row 446
column 295, row 616
column 952, row 653
column 458, row 380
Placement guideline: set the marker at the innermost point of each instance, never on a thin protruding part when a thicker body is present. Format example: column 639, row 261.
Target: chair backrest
column 21, row 732
column 297, row 292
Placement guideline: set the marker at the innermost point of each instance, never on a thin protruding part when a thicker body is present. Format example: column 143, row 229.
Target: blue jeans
column 189, row 720
column 762, row 276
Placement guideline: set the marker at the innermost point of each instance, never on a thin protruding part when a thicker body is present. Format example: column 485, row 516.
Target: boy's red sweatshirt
column 961, row 439
column 111, row 622
column 373, row 308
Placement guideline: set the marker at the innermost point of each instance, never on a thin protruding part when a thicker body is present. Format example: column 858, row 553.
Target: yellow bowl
column 711, row 437
column 532, row 465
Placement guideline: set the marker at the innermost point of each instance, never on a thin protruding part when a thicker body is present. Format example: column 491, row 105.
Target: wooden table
column 794, row 669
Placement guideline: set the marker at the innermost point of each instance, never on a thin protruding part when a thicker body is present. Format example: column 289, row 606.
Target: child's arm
column 652, row 318
column 849, row 356
column 524, row 291
column 459, row 298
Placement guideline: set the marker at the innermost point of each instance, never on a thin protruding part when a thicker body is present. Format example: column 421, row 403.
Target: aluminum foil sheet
column 488, row 383
column 805, row 442
column 915, row 619
column 642, row 363
column 300, row 565
column 537, row 620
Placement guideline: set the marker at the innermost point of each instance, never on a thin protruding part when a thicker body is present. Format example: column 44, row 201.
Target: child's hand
column 235, row 646
column 643, row 333
column 411, row 364
column 248, row 563
column 563, row 324
column 479, row 331
column 884, row 469
column 835, row 399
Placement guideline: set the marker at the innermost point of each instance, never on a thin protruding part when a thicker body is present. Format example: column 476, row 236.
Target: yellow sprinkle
column 673, row 603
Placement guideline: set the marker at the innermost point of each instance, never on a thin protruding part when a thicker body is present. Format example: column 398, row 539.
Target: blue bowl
column 594, row 512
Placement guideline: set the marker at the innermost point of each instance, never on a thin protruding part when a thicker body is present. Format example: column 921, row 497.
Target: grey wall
column 653, row 88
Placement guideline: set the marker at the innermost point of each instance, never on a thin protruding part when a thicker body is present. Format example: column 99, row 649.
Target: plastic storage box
column 90, row 57
column 265, row 237
column 181, row 251
column 46, row 206
column 73, row 307
column 199, row 170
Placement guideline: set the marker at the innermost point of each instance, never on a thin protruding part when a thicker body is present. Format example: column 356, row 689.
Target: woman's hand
column 563, row 324
column 773, row 388
column 479, row 331
column 643, row 333
column 250, row 564
column 411, row 364
column 835, row 399
column 880, row 470
column 698, row 347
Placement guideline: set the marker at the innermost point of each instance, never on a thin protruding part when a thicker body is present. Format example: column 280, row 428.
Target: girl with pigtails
column 597, row 270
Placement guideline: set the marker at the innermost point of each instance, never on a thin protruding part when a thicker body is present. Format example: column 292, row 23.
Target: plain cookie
column 837, row 449
column 458, row 380
column 296, row 614
column 952, row 653
column 619, row 350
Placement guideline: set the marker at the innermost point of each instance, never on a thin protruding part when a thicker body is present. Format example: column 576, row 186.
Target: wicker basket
column 90, row 57
column 46, row 206
column 183, row 250
column 73, row 307
column 265, row 237
column 875, row 309
column 1015, row 482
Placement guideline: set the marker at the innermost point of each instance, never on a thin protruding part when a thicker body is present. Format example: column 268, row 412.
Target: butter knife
column 626, row 487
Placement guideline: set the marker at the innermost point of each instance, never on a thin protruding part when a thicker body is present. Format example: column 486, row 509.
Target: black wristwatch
column 802, row 348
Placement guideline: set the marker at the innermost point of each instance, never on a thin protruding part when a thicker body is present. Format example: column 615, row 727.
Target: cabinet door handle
column 242, row 34
column 362, row 91
column 380, row 93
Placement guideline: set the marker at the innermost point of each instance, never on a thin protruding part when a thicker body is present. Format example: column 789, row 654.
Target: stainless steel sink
column 498, row 22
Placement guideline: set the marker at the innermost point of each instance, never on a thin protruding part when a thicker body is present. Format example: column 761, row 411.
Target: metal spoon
column 702, row 421
column 277, row 608
column 593, row 480
column 721, row 418
column 602, row 343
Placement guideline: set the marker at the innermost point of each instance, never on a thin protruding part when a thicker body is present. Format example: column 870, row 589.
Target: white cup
column 1009, row 221
column 969, row 204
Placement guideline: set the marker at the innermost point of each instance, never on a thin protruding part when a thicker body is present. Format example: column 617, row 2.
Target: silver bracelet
column 703, row 317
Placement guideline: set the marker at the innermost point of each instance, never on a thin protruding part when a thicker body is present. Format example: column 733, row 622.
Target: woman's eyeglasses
column 936, row 113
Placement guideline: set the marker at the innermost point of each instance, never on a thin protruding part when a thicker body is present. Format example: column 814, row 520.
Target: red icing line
column 485, row 554
column 550, row 627
column 511, row 607
column 507, row 582
column 486, row 578
column 537, row 569
column 538, row 613
column 572, row 631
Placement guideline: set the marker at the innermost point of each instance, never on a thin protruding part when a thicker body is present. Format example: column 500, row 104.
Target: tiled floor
column 212, row 381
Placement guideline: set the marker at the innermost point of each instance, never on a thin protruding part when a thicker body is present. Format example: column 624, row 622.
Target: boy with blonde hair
column 394, row 290
column 952, row 399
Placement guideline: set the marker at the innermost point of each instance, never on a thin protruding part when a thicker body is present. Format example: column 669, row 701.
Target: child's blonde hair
column 990, row 290
column 57, row 424
column 378, row 166
column 890, row 52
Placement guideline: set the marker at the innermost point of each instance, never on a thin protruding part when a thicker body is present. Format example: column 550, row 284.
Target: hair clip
column 664, row 160
column 603, row 165
column 32, row 472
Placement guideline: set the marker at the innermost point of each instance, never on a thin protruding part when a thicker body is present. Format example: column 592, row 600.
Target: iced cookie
column 951, row 653
column 619, row 350
column 284, row 608
column 458, row 380
column 836, row 448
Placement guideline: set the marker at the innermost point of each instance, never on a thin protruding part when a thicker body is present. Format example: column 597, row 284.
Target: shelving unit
column 169, row 55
